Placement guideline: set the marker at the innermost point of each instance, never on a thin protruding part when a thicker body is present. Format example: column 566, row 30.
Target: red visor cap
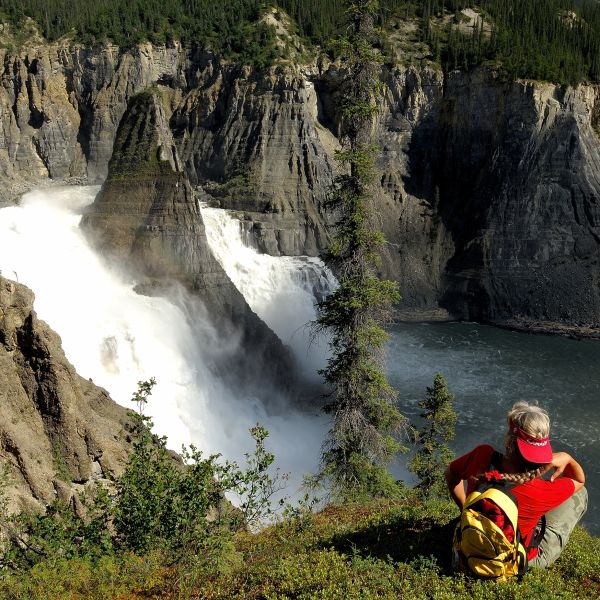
column 532, row 449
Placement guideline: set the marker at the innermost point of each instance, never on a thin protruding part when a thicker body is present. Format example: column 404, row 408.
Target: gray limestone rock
column 58, row 431
column 488, row 190
column 517, row 168
column 61, row 104
column 254, row 142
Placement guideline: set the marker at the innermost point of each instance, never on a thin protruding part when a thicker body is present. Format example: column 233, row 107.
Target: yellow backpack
column 480, row 546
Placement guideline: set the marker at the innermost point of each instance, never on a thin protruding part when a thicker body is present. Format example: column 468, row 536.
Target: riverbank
column 441, row 315
column 550, row 328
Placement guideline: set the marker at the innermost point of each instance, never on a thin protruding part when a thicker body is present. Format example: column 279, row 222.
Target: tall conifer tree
column 366, row 422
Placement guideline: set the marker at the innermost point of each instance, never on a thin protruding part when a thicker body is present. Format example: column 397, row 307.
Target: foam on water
column 280, row 290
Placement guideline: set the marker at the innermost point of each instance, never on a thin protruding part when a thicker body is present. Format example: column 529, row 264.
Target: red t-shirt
column 534, row 498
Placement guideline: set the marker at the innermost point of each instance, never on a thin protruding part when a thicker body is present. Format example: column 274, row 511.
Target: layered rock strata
column 513, row 170
column 146, row 220
column 254, row 142
column 58, row 431
column 61, row 104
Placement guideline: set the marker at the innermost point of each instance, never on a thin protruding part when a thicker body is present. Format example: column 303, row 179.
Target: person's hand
column 559, row 463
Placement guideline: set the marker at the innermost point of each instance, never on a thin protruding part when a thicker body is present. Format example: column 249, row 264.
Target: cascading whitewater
column 117, row 337
column 281, row 290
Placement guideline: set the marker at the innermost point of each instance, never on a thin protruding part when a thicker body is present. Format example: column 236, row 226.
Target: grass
column 384, row 549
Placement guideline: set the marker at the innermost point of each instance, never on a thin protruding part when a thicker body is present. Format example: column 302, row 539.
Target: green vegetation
column 555, row 40
column 366, row 422
column 233, row 27
column 162, row 503
column 141, row 160
column 164, row 530
column 382, row 549
column 62, row 471
column 434, row 454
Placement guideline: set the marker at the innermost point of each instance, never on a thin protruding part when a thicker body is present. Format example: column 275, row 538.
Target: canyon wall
column 488, row 189
column 514, row 173
column 61, row 104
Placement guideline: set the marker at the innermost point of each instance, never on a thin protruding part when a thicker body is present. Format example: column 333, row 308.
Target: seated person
column 528, row 456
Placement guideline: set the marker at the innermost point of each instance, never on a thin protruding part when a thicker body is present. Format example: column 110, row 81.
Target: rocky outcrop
column 58, row 431
column 419, row 243
column 253, row 139
column 146, row 219
column 61, row 104
column 254, row 142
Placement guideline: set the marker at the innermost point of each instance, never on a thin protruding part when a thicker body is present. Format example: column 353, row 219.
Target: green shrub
column 161, row 503
column 434, row 454
column 387, row 548
column 59, row 533
column 382, row 549
column 109, row 577
column 180, row 506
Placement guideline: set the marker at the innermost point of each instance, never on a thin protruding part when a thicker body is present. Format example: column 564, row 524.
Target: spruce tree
column 366, row 422
column 433, row 455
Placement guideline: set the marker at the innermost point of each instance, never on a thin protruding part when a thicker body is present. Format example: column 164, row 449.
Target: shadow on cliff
column 451, row 170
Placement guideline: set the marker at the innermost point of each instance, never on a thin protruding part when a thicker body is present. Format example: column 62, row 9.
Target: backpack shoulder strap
column 496, row 460
column 498, row 492
column 505, row 486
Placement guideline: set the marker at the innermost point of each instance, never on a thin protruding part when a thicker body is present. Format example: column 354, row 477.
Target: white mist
column 117, row 337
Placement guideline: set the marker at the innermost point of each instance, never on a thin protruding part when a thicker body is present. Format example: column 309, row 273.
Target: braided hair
column 517, row 478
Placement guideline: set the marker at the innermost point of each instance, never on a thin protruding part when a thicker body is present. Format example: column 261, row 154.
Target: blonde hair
column 533, row 420
column 530, row 418
column 524, row 477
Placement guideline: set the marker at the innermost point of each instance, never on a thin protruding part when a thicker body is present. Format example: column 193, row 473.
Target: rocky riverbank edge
column 551, row 328
column 441, row 315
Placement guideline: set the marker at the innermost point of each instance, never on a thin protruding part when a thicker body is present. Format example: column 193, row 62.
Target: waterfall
column 117, row 337
column 280, row 290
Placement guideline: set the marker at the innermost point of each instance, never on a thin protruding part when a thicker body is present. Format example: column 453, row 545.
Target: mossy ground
column 385, row 549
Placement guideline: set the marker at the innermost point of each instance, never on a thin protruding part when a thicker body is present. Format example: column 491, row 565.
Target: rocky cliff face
column 255, row 143
column 146, row 220
column 61, row 104
column 488, row 190
column 518, row 168
column 58, row 431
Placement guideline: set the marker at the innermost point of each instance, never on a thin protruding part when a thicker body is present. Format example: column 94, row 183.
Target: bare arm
column 565, row 465
column 456, row 488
